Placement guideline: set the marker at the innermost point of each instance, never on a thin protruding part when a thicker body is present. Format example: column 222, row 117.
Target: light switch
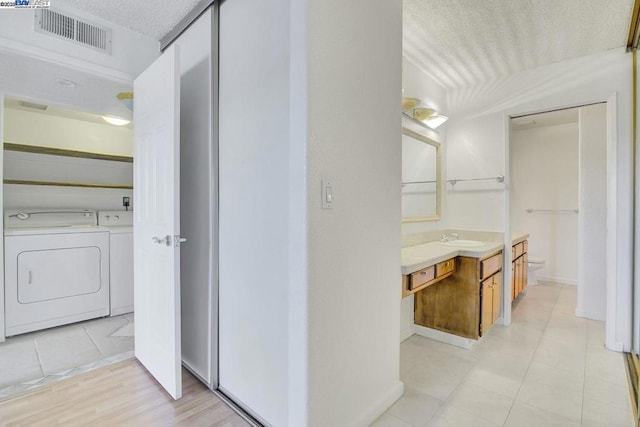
column 327, row 195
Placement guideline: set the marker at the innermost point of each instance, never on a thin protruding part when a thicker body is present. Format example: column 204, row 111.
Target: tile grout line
column 92, row 341
column 532, row 357
column 473, row 365
column 35, row 346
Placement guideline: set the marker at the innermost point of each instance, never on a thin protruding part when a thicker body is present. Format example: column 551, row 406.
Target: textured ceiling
column 154, row 18
column 92, row 94
column 465, row 42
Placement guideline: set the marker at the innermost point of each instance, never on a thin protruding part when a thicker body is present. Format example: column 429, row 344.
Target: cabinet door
column 525, row 270
column 497, row 296
column 486, row 305
column 519, row 275
column 521, row 272
column 514, row 291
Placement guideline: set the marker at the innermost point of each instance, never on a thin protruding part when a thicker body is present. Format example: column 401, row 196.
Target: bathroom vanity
column 458, row 291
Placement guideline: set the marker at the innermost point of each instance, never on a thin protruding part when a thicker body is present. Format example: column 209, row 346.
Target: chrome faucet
column 448, row 238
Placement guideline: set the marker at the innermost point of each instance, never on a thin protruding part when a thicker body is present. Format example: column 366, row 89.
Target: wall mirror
column 421, row 177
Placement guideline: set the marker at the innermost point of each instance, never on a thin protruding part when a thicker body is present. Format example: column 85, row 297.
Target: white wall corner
column 406, row 333
column 376, row 410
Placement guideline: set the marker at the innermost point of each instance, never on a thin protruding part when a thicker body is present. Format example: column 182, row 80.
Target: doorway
column 558, row 192
column 67, row 303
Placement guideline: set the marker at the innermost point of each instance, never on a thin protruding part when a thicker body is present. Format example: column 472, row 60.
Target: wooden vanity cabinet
column 467, row 299
column 519, row 268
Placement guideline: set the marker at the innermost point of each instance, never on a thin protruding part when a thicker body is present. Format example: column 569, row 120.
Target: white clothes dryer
column 120, row 226
column 56, row 268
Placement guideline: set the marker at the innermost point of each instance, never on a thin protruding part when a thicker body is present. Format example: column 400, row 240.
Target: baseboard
column 375, row 411
column 444, row 337
column 559, row 280
column 406, row 333
column 587, row 315
column 615, row 346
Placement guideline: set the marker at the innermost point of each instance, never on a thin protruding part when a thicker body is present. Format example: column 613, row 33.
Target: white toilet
column 534, row 265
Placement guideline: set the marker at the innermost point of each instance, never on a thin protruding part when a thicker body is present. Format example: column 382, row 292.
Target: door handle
column 177, row 240
column 30, row 276
column 164, row 241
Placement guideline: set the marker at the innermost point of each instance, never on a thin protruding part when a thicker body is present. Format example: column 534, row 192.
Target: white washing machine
column 56, row 268
column 120, row 226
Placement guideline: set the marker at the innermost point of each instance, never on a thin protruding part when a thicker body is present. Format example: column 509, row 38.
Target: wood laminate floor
column 123, row 394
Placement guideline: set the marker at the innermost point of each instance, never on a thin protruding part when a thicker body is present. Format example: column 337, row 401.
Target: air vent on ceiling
column 73, row 29
column 32, row 105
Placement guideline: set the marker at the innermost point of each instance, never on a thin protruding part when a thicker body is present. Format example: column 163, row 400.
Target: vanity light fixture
column 409, row 104
column 116, row 121
column 428, row 116
column 435, row 120
column 423, row 114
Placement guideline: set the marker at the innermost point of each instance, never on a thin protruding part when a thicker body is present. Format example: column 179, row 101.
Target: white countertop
column 21, row 231
column 417, row 257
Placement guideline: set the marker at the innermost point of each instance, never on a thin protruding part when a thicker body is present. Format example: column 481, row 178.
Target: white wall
column 254, row 206
column 29, row 128
column 33, row 128
column 36, row 196
column 476, row 145
column 475, row 149
column 544, row 175
column 354, row 249
column 592, row 253
column 43, row 167
column 197, row 183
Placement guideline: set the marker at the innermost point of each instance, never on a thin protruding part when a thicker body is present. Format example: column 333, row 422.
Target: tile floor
column 30, row 360
column 549, row 368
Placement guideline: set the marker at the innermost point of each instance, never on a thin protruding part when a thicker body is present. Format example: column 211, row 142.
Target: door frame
column 613, row 288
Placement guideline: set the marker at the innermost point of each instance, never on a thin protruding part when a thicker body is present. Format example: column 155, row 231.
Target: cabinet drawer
column 490, row 265
column 525, row 246
column 422, row 276
column 445, row 267
column 519, row 249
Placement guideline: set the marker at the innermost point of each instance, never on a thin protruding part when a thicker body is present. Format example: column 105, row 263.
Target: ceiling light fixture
column 116, row 121
column 127, row 99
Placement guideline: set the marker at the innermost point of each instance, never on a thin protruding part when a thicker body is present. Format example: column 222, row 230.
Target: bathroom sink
column 463, row 243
